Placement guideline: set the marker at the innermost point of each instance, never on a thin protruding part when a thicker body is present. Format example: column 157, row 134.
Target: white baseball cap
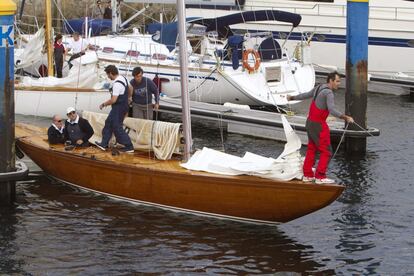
column 70, row 109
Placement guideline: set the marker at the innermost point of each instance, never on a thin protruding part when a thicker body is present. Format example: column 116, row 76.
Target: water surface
column 56, row 229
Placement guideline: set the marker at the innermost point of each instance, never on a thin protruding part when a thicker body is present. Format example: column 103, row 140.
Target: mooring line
column 385, row 145
column 340, row 141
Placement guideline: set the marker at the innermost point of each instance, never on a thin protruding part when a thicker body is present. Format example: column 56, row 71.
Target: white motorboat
column 391, row 33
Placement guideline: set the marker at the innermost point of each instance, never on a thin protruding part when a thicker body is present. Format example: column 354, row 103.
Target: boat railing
column 336, row 10
column 31, row 27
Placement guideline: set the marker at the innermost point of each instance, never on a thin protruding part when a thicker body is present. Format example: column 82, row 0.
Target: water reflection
column 58, row 230
column 9, row 262
column 355, row 226
column 62, row 230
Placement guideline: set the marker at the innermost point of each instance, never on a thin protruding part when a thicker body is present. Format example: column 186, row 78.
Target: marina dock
column 257, row 123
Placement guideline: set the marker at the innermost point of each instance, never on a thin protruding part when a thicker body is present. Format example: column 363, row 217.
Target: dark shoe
column 101, row 146
column 69, row 147
column 129, row 149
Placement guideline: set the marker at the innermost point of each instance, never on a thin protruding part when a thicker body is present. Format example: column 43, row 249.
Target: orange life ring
column 246, row 64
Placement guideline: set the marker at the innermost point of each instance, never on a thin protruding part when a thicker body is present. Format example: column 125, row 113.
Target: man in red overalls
column 319, row 139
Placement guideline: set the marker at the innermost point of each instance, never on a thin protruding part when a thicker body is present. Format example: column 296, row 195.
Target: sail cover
column 167, row 33
column 248, row 16
column 221, row 24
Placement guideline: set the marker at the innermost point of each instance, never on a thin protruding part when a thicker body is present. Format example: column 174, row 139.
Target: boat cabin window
column 159, row 56
column 108, row 50
column 270, row 49
column 133, row 53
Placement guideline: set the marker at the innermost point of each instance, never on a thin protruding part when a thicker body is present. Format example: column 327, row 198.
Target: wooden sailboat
column 166, row 184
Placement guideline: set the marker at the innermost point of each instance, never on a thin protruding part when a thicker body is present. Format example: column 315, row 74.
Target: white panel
column 189, row 2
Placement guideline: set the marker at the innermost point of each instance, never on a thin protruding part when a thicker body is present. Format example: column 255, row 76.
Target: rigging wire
column 61, row 13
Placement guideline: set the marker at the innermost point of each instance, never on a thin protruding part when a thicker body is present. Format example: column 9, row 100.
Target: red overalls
column 319, row 140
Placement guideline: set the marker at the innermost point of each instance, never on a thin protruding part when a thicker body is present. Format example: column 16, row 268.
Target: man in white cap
column 77, row 129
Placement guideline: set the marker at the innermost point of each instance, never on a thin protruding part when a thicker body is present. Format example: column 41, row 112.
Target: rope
column 63, row 17
column 221, row 127
column 366, row 131
column 385, row 145
column 340, row 141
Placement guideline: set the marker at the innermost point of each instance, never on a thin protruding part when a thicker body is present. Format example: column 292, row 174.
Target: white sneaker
column 324, row 181
column 308, row 179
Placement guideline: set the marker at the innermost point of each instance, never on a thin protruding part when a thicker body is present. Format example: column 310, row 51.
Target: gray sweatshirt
column 324, row 100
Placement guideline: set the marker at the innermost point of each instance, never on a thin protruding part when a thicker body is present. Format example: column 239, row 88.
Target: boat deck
column 257, row 123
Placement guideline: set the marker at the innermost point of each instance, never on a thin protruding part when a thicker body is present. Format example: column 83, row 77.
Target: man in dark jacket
column 77, row 129
column 55, row 133
column 144, row 90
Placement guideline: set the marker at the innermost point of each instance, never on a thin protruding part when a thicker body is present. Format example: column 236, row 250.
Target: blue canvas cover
column 222, row 24
column 96, row 24
column 165, row 33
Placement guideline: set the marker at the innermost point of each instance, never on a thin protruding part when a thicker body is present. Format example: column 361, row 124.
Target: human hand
column 349, row 119
column 102, row 105
column 156, row 106
column 289, row 97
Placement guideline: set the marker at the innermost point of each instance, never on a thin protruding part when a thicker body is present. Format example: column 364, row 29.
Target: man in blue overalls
column 119, row 102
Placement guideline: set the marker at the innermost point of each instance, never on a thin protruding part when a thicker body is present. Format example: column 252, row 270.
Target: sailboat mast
column 185, row 101
column 115, row 16
column 49, row 38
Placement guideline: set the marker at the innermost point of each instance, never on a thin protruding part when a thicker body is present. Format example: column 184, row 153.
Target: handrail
column 393, row 13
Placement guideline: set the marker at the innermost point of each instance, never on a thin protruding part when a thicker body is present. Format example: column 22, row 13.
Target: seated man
column 55, row 133
column 77, row 130
column 78, row 46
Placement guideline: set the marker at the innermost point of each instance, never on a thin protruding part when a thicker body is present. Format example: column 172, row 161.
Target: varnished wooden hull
column 166, row 184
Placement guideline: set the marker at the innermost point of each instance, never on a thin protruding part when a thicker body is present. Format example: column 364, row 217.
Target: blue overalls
column 114, row 122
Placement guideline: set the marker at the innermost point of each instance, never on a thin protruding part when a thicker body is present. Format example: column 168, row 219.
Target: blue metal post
column 356, row 69
column 7, row 152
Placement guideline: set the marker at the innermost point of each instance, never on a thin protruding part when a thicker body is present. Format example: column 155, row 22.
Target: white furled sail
column 83, row 74
column 32, row 52
column 287, row 166
column 162, row 138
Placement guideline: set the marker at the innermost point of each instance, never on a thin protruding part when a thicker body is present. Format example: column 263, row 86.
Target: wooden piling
column 7, row 153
